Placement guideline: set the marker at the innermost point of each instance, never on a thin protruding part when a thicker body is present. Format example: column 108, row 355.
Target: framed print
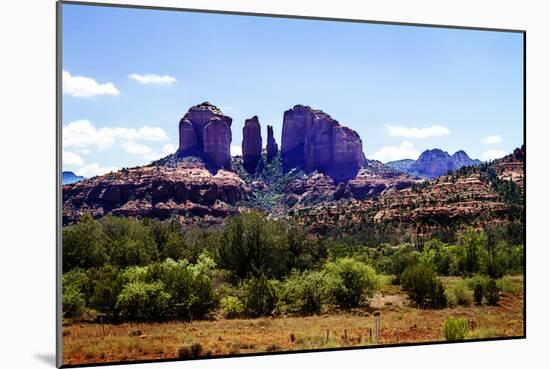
column 241, row 184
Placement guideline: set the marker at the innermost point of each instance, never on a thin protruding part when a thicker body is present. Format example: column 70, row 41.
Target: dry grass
column 400, row 323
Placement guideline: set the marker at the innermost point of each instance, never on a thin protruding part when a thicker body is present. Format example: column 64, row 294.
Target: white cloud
column 166, row 149
column 135, row 148
column 492, row 140
column 71, row 158
column 405, row 150
column 236, row 150
column 94, row 169
column 153, row 79
column 427, row 132
column 492, row 154
column 81, row 86
column 82, row 134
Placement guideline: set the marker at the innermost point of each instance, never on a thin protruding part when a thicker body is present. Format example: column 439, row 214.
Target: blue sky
column 130, row 75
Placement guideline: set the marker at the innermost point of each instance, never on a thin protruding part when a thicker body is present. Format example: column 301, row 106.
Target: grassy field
column 400, row 323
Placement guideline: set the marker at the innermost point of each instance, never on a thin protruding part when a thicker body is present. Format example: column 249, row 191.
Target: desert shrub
column 134, row 274
column 478, row 293
column 478, row 279
column 423, row 287
column 358, row 280
column 308, row 291
column 461, row 294
column 106, row 284
column 74, row 284
column 141, row 301
column 455, row 329
column 452, row 301
column 189, row 285
column 130, row 241
column 196, row 241
column 174, row 247
column 403, row 258
column 252, row 245
column 232, row 307
column 506, row 285
column 84, row 245
column 73, row 303
column 188, row 352
column 491, row 292
column 260, row 296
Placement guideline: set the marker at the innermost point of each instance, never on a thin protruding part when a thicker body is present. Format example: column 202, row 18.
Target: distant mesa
column 206, row 132
column 433, row 163
column 70, row 177
column 313, row 141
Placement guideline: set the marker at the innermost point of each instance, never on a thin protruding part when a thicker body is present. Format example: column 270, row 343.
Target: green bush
column 106, row 284
column 308, row 291
column 491, row 292
column 423, row 286
column 141, row 301
column 358, row 280
column 461, row 293
column 260, row 296
column 84, row 245
column 455, row 329
column 130, row 242
column 403, row 258
column 232, row 307
column 75, row 286
column 190, row 285
column 252, row 245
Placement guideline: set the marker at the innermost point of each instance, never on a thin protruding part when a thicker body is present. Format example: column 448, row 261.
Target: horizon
column 404, row 89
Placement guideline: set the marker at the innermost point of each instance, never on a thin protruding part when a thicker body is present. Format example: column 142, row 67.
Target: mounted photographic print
column 238, row 184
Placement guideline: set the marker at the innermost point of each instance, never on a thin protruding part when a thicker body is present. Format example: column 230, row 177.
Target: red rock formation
column 347, row 153
column 217, row 143
column 271, row 146
column 313, row 140
column 252, row 144
column 192, row 132
column 295, row 122
column 185, row 190
column 188, row 139
column 318, row 143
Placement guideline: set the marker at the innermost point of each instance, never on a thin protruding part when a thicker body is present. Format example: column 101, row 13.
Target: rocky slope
column 433, row 163
column 467, row 197
column 181, row 188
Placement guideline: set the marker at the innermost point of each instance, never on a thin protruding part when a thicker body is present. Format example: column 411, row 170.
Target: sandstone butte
column 313, row 141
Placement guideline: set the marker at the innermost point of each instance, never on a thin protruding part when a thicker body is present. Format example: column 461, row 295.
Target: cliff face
column 206, row 132
column 312, row 140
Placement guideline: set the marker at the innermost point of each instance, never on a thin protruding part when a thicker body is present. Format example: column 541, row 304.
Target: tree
column 84, row 245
